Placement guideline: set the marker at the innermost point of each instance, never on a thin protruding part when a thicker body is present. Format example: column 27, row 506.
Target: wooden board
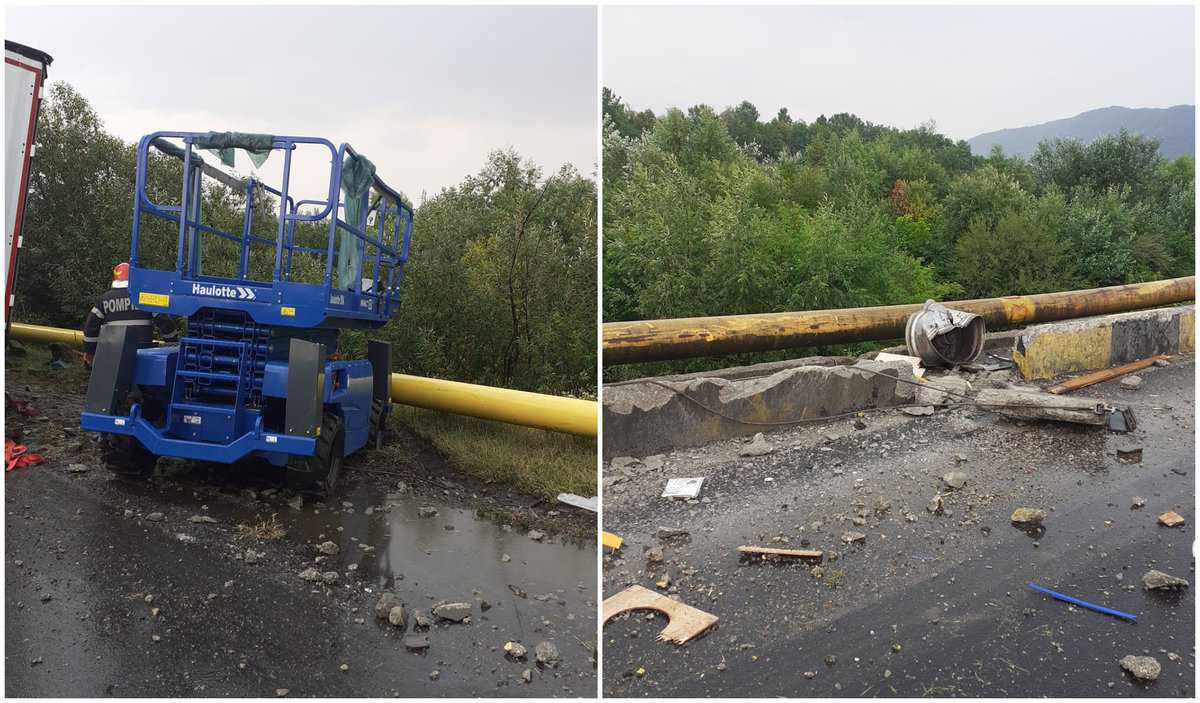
column 685, row 623
column 1095, row 377
column 793, row 553
column 611, row 541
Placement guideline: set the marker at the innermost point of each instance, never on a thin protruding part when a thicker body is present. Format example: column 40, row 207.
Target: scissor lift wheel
column 124, row 455
column 378, row 423
column 319, row 473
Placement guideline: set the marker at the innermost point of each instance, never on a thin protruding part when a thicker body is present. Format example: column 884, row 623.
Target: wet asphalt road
column 936, row 606
column 78, row 570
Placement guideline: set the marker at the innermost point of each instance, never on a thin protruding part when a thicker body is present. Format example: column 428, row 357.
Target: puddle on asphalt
column 453, row 555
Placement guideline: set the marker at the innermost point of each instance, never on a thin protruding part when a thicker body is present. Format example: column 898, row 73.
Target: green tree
column 1019, row 254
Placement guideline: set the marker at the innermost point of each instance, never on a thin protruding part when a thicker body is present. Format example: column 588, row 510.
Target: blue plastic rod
column 1083, row 603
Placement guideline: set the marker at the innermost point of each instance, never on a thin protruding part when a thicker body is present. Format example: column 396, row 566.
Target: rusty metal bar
column 683, row 338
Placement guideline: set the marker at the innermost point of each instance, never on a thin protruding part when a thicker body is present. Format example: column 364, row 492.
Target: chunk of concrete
column 644, row 418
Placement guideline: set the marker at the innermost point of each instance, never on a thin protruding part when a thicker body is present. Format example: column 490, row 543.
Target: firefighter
column 115, row 308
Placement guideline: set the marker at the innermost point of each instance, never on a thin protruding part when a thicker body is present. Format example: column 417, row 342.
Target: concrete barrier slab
column 1075, row 346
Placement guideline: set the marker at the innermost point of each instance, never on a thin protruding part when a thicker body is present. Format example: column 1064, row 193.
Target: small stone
column 665, row 582
column 505, row 558
column 830, row 659
column 281, row 692
column 387, row 601
column 955, row 480
column 1131, row 383
column 1154, row 580
column 427, row 511
column 421, row 619
column 810, row 674
column 536, row 535
column 1137, row 503
column 344, row 668
column 155, row 517
column 516, row 650
column 1132, row 455
column 671, row 532
column 918, row 410
column 328, row 548
column 1028, row 516
column 654, row 555
column 936, row 505
column 852, row 537
column 456, row 612
column 546, row 654
column 1144, row 668
column 1171, row 519
column 202, row 519
column 897, row 647
column 416, row 642
column 128, row 513
column 759, row 446
column 77, row 468
column 310, row 574
column 433, row 675
column 330, row 577
column 398, row 617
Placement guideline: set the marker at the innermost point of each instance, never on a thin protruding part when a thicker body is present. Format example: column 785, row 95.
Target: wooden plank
column 611, row 541
column 685, row 623
column 1095, row 377
column 773, row 552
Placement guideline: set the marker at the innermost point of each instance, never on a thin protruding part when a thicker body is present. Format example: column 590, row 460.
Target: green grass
column 534, row 461
column 34, row 367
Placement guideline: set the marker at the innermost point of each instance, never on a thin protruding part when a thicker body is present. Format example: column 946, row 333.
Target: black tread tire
column 377, row 435
column 319, row 473
column 125, row 456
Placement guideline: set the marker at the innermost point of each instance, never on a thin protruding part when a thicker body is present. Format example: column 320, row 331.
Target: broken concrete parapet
column 644, row 417
column 1087, row 344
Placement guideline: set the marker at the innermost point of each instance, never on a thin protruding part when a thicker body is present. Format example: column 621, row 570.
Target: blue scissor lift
column 257, row 371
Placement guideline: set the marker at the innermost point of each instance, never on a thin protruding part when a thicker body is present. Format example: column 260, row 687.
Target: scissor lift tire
column 124, row 455
column 378, row 424
column 319, row 473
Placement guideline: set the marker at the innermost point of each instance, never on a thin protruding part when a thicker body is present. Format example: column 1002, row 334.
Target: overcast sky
column 972, row 70
column 425, row 93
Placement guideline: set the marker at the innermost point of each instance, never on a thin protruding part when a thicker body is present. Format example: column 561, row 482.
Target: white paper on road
column 683, row 487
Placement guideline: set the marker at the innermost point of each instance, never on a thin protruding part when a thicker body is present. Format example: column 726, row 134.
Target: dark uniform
column 115, row 308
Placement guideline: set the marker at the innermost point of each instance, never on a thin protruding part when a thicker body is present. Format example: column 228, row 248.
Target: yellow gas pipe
column 547, row 412
column 682, row 338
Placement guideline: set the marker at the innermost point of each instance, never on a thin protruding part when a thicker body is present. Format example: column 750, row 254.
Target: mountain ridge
column 1173, row 126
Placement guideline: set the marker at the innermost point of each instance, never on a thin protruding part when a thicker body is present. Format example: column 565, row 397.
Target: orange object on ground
column 17, row 456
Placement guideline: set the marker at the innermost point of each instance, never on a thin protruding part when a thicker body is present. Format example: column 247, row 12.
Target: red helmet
column 120, row 277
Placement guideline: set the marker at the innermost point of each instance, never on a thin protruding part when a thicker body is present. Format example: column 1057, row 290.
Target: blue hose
column 1083, row 603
